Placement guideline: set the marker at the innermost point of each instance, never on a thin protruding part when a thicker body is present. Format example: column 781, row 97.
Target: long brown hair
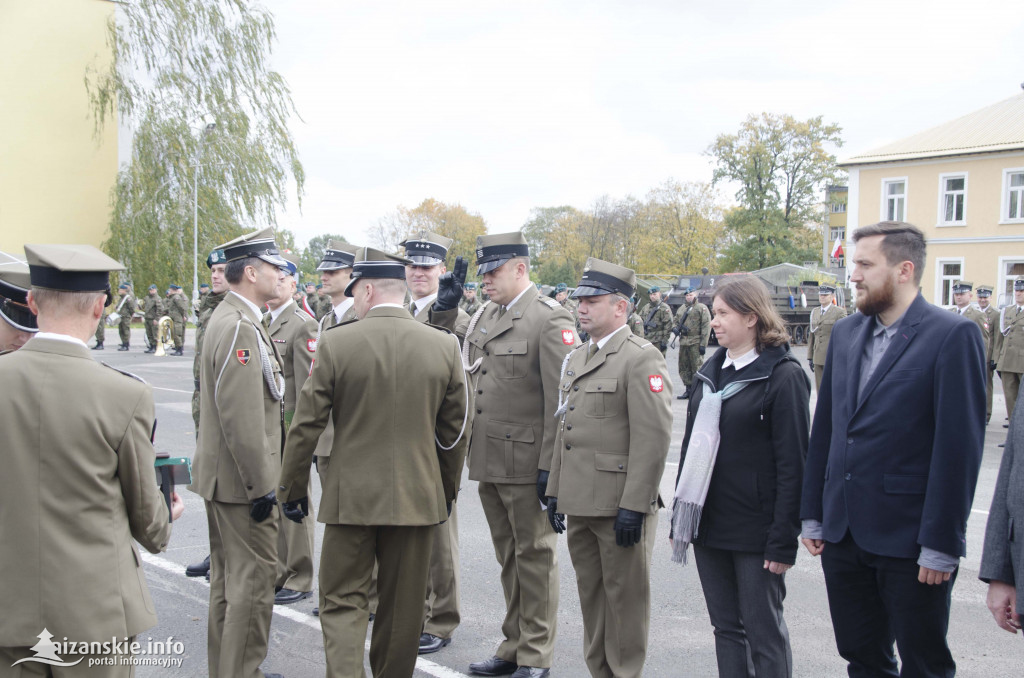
column 746, row 294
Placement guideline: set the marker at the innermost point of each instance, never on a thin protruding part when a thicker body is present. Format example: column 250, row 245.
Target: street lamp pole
column 210, row 125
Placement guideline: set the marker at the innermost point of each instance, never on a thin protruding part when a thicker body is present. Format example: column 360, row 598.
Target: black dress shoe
column 531, row 672
column 98, row 347
column 316, row 611
column 122, row 347
column 682, row 396
column 198, row 569
column 429, row 643
column 150, row 350
column 495, row 666
column 287, row 596
column 178, row 351
column 272, row 675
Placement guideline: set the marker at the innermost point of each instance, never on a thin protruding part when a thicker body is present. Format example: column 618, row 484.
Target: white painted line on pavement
column 426, row 666
column 984, row 513
column 172, row 390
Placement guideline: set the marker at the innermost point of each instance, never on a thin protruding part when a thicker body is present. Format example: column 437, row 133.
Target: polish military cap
column 691, row 290
column 259, row 244
column 494, row 250
column 124, row 286
column 427, row 248
column 826, row 289
column 70, row 268
column 469, row 286
column 338, row 255
column 961, row 286
column 152, row 287
column 1018, row 284
column 202, row 285
column 653, row 289
column 174, row 286
column 984, row 291
column 371, row 264
column 216, row 257
column 14, row 283
column 561, row 287
column 602, row 277
column 291, row 266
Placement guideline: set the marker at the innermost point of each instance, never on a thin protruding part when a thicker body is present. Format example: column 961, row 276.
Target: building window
column 894, row 199
column 947, row 271
column 1013, row 195
column 838, row 207
column 952, row 199
column 1009, row 269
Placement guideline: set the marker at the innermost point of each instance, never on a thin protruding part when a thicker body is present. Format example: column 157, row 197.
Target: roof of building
column 999, row 127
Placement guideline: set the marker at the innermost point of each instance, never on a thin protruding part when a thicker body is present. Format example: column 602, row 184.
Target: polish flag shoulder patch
column 568, row 337
column 243, row 355
column 657, row 383
column 311, row 345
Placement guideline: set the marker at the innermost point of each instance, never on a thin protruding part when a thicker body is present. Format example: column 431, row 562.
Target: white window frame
column 940, row 262
column 941, row 221
column 885, row 197
column 1004, row 197
column 1002, row 297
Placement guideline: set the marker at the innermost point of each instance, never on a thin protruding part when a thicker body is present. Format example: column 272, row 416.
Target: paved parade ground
column 681, row 641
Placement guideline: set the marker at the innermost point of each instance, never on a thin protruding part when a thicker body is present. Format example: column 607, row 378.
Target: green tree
column 450, row 220
column 210, row 123
column 687, row 226
column 313, row 253
column 781, row 165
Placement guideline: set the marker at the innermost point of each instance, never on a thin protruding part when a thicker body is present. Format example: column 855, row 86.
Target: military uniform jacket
column 206, row 307
column 697, row 324
column 636, row 324
column 614, row 429
column 406, row 387
column 470, row 307
column 515, row 384
column 294, row 334
column 78, row 486
column 154, row 307
column 992, row 318
column 454, row 320
column 126, row 307
column 977, row 316
column 1010, row 342
column 821, row 331
column 238, row 450
column 178, row 307
column 658, row 323
column 325, row 323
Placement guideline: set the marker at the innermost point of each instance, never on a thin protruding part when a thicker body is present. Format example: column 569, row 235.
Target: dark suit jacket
column 1003, row 557
column 897, row 467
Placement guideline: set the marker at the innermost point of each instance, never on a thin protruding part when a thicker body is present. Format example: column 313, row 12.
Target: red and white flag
column 837, row 249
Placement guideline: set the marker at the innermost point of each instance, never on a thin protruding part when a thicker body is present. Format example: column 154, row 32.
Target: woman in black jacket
column 739, row 483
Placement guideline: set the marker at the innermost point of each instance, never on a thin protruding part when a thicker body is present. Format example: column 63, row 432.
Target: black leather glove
column 663, row 346
column 542, row 486
column 556, row 519
column 448, row 507
column 296, row 510
column 684, row 330
column 702, row 349
column 449, row 287
column 810, row 361
column 992, row 365
column 260, row 509
column 628, row 527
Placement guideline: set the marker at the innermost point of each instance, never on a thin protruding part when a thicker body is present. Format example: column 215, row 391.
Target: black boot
column 98, row 346
column 122, row 347
column 198, row 569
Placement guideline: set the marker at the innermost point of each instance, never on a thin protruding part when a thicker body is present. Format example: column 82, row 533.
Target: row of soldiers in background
column 153, row 308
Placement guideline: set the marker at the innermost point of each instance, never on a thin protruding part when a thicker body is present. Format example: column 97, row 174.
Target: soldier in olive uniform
column 152, row 311
column 635, row 322
column 178, row 311
column 68, row 558
column 1009, row 346
column 469, row 302
column 294, row 334
column 238, row 457
column 693, row 327
column 823, row 319
column 126, row 309
column 514, row 350
column 984, row 294
column 658, row 320
column 388, row 486
column 613, row 435
column 101, row 329
column 17, row 322
column 438, row 305
column 962, row 304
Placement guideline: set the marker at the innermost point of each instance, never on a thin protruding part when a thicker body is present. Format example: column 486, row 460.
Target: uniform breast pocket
column 510, row 360
column 601, row 398
column 609, row 478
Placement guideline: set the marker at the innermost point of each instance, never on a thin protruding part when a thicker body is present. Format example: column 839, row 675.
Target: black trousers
column 875, row 601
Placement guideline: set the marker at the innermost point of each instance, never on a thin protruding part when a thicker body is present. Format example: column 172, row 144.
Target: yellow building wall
column 984, row 245
column 56, row 175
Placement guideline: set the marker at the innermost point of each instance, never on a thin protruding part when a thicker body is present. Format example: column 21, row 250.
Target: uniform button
column 487, row 353
column 847, row 476
column 480, row 391
column 248, row 487
column 568, row 446
column 572, row 407
column 568, row 427
column 620, row 466
column 510, row 350
column 575, row 388
column 479, row 411
column 483, row 371
column 598, row 388
column 508, row 435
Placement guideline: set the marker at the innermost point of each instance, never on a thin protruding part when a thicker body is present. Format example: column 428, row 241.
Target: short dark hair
column 900, row 242
column 234, row 270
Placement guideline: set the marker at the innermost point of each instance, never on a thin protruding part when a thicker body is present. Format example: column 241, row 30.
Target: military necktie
column 412, row 308
column 501, row 311
column 591, row 351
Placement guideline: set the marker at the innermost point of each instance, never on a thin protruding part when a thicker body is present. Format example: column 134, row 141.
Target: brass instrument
column 164, row 336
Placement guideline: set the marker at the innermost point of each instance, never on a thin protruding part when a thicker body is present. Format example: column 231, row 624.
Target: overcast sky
column 505, row 106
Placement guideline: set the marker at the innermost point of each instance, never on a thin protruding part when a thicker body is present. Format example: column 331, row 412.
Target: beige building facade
column 962, row 184
column 57, row 174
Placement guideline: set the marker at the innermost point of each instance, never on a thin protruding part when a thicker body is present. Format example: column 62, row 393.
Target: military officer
column 962, row 304
column 125, row 309
column 216, row 263
column 17, row 322
column 1010, row 345
column 153, row 310
column 387, row 487
column 823, row 319
column 238, row 456
column 658, row 320
column 293, row 332
column 615, row 423
column 70, row 567
column 101, row 329
column 178, row 311
column 693, row 327
column 984, row 294
column 469, row 302
column 431, row 304
column 514, row 349
column 635, row 322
